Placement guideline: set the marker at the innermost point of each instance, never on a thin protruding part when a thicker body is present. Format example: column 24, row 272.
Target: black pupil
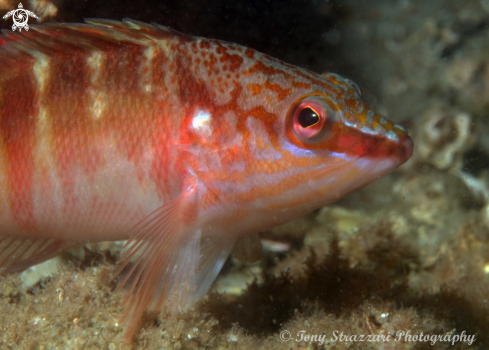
column 308, row 118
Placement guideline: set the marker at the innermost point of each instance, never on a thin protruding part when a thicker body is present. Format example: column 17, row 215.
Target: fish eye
column 355, row 87
column 310, row 118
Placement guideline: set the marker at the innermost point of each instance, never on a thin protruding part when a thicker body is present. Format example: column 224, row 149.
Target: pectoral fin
column 214, row 251
column 170, row 260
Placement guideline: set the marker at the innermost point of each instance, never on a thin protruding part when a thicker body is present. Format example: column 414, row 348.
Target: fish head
column 336, row 144
column 284, row 141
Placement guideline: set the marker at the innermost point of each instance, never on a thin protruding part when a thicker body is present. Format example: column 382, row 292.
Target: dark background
column 301, row 32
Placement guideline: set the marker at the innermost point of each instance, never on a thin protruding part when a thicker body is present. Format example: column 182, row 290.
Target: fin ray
column 171, row 261
column 19, row 253
column 213, row 254
column 164, row 250
column 95, row 34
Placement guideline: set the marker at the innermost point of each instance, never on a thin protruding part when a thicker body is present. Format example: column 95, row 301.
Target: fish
column 181, row 145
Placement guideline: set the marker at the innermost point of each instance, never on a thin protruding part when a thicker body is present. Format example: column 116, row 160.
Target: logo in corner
column 20, row 18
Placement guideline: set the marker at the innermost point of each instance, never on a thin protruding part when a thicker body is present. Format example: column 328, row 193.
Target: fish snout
column 404, row 150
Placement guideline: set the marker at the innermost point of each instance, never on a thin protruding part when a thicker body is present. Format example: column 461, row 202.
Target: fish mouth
column 404, row 150
column 359, row 172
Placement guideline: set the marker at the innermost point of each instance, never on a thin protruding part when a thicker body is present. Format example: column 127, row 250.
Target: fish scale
column 181, row 145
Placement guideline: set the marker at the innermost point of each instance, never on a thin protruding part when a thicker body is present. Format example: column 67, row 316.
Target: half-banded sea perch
column 179, row 144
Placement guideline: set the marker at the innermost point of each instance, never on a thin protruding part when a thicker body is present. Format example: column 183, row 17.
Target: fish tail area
column 19, row 253
column 168, row 260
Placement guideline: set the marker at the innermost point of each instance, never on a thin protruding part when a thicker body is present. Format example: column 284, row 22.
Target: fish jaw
column 337, row 176
column 357, row 173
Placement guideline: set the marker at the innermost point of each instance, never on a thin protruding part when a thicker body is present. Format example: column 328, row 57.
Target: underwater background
column 408, row 253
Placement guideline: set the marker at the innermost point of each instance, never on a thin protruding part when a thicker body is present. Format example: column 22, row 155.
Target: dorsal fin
column 17, row 50
column 127, row 23
column 96, row 34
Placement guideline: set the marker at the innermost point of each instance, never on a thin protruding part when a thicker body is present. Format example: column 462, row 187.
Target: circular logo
column 285, row 336
column 20, row 18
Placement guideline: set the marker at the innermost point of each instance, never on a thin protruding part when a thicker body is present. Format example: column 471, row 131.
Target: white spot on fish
column 370, row 117
column 99, row 105
column 94, row 62
column 146, row 71
column 391, row 135
column 98, row 98
column 41, row 70
column 400, row 127
column 200, row 122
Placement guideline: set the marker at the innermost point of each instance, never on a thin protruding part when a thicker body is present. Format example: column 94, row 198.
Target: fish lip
column 404, row 149
column 398, row 156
